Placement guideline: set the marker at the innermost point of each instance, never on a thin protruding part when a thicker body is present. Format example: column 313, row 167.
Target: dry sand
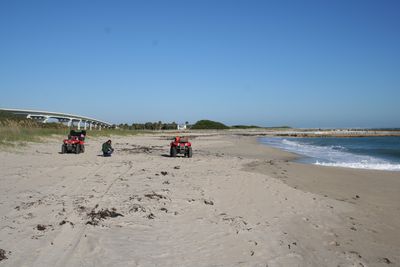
column 235, row 203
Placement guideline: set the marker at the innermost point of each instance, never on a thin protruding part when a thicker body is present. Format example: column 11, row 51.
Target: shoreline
column 373, row 194
column 235, row 203
column 343, row 133
column 385, row 164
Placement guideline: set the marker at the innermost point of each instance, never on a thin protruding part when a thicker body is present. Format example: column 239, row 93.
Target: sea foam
column 361, row 165
column 331, row 155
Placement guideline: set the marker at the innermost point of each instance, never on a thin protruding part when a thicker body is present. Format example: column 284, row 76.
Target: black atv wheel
column 82, row 148
column 173, row 152
column 63, row 149
column 190, row 152
column 78, row 149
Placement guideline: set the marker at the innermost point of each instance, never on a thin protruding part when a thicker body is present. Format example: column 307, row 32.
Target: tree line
column 153, row 126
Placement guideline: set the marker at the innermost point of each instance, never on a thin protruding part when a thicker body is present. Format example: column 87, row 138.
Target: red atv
column 75, row 142
column 181, row 145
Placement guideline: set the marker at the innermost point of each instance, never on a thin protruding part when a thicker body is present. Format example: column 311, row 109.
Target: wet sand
column 235, row 203
column 371, row 227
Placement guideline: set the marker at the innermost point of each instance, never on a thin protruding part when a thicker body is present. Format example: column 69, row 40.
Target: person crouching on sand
column 107, row 149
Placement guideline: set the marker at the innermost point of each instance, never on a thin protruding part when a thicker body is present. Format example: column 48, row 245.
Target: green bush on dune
column 207, row 124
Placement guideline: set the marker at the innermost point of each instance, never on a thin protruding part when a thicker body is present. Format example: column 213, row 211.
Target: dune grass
column 11, row 136
column 14, row 135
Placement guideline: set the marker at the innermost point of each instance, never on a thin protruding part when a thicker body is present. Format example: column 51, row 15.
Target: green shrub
column 207, row 124
column 244, row 126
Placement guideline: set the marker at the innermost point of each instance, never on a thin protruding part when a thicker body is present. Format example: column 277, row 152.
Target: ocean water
column 378, row 153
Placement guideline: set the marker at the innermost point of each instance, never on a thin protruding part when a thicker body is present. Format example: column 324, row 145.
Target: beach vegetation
column 244, row 126
column 149, row 126
column 17, row 131
column 209, row 125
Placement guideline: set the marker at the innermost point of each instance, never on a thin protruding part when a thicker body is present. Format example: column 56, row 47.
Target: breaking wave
column 324, row 153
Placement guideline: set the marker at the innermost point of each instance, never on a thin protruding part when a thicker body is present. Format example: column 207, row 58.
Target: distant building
column 182, row 127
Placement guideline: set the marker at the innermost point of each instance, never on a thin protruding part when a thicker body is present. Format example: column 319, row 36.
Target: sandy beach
column 235, row 203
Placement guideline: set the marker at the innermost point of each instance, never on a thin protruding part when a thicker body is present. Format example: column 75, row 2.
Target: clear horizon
column 306, row 64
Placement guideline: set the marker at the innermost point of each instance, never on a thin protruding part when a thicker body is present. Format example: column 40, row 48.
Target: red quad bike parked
column 75, row 142
column 181, row 145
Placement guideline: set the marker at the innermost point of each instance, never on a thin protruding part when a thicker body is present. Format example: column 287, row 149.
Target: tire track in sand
column 70, row 237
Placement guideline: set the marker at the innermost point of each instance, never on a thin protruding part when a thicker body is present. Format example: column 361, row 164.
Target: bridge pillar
column 85, row 125
column 79, row 124
column 69, row 122
column 46, row 119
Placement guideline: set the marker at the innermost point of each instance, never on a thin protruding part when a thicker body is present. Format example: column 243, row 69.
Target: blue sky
column 297, row 63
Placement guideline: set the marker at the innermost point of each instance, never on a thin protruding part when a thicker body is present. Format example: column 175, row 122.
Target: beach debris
column 252, row 253
column 64, row 222
column 164, row 209
column 208, row 202
column 177, row 167
column 166, row 182
column 164, row 173
column 27, row 205
column 41, row 227
column 151, row 216
column 293, row 243
column 135, row 197
column 95, row 217
column 254, row 242
column 137, row 207
column 154, row 195
column 3, row 254
column 353, row 228
column 137, row 149
column 334, row 243
column 238, row 223
column 385, row 260
column 28, row 216
column 355, row 253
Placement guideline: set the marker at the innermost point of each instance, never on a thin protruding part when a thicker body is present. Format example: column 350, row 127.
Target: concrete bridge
column 69, row 119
